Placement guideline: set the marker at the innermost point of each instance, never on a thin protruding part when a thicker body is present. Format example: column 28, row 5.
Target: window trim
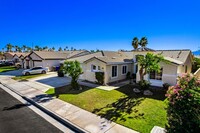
column 116, row 71
column 126, row 69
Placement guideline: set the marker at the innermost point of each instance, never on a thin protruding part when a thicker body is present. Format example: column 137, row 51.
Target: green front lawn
column 7, row 68
column 138, row 112
column 23, row 77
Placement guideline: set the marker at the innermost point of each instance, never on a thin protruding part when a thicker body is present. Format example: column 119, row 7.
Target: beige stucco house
column 115, row 65
column 180, row 61
column 49, row 59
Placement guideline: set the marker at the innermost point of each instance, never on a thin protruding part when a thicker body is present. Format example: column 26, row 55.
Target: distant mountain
column 196, row 52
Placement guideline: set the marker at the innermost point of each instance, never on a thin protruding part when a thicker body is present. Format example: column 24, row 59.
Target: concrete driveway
column 12, row 73
column 51, row 79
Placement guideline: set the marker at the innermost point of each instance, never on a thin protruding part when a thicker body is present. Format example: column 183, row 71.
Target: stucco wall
column 87, row 69
column 169, row 75
column 50, row 63
column 120, row 76
column 35, row 57
column 188, row 63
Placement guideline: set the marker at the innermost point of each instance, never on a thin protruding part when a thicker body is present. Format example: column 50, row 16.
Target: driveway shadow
column 55, row 81
column 12, row 73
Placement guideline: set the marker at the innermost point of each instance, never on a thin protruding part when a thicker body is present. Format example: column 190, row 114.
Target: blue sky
column 100, row 24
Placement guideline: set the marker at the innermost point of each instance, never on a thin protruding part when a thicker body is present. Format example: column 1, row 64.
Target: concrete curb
column 65, row 122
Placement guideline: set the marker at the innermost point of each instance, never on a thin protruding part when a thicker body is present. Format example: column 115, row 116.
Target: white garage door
column 38, row 63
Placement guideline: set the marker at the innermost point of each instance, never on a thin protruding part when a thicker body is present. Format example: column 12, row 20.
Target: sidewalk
column 79, row 118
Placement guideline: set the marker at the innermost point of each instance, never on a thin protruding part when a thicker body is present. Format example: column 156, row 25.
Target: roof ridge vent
column 113, row 57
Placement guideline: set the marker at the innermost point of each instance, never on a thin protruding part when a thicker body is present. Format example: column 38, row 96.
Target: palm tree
column 37, row 48
column 24, row 47
column 135, row 43
column 9, row 47
column 143, row 42
column 45, row 48
column 60, row 49
column 16, row 48
column 29, row 49
column 53, row 48
column 19, row 49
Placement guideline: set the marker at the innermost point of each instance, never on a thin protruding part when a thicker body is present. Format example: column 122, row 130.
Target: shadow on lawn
column 68, row 90
column 120, row 109
column 158, row 92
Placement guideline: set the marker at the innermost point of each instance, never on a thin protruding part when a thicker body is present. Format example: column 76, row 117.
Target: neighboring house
column 180, row 62
column 2, row 57
column 22, row 59
column 49, row 59
column 16, row 57
column 115, row 65
column 9, row 55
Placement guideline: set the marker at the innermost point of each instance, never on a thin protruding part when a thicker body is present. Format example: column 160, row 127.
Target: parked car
column 35, row 70
column 9, row 63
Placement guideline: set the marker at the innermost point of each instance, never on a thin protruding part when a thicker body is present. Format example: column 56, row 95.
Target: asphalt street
column 16, row 117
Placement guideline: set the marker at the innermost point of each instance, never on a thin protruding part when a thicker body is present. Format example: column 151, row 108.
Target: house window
column 114, row 71
column 99, row 68
column 124, row 69
column 94, row 68
column 185, row 69
column 156, row 75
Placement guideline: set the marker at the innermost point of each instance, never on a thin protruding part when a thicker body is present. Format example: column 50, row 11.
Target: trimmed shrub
column 183, row 111
column 128, row 75
column 144, row 84
column 60, row 71
column 99, row 77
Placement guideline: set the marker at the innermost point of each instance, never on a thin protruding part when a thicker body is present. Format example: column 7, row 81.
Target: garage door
column 38, row 63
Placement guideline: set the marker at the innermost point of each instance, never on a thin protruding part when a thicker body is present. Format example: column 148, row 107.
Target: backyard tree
column 183, row 111
column 149, row 63
column 74, row 70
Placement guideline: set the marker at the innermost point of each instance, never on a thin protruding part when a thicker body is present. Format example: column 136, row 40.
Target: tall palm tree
column 135, row 43
column 19, row 49
column 9, row 47
column 16, row 48
column 60, row 49
column 37, row 48
column 24, row 47
column 28, row 49
column 143, row 42
column 45, row 48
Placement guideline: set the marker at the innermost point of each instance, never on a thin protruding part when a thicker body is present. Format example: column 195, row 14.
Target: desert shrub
column 183, row 111
column 144, row 84
column 99, row 77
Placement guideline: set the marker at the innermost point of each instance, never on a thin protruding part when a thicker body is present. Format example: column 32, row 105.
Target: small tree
column 99, row 77
column 183, row 111
column 149, row 63
column 74, row 70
